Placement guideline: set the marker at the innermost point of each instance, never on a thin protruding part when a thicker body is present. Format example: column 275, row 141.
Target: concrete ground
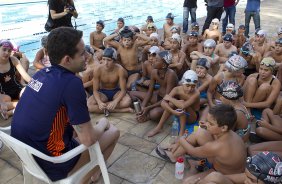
column 134, row 159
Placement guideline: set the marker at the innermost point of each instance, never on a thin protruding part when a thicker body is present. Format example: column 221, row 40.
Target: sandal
column 162, row 153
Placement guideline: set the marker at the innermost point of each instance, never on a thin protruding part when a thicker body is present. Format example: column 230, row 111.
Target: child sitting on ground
column 226, row 152
column 183, row 101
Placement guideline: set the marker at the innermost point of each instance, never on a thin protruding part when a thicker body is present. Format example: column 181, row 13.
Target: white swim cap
column 189, row 77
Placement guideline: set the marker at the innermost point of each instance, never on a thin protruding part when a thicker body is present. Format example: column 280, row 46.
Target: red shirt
column 228, row 3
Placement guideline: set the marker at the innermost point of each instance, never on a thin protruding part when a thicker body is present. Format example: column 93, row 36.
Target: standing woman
column 61, row 12
column 10, row 87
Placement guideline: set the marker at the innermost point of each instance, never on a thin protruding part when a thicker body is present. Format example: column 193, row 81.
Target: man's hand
column 112, row 105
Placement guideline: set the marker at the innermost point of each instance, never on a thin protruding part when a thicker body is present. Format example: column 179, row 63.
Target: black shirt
column 190, row 3
column 58, row 6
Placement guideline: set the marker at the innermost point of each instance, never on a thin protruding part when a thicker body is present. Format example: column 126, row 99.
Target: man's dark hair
column 224, row 115
column 61, row 42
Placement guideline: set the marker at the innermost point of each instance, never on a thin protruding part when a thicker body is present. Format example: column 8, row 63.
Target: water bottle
column 137, row 106
column 179, row 168
column 174, row 131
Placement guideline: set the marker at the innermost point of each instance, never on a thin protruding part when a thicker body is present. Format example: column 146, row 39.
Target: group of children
column 219, row 82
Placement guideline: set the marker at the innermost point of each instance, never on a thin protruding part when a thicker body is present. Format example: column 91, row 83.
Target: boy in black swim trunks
column 128, row 50
column 109, row 86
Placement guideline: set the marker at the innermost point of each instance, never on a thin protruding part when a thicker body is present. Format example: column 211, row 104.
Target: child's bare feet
column 153, row 132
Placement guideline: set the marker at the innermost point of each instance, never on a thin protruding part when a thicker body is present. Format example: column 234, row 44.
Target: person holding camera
column 61, row 11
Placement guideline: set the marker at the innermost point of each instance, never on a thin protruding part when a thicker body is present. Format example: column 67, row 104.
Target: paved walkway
column 134, row 159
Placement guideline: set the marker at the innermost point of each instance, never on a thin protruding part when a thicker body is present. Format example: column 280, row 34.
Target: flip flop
column 163, row 154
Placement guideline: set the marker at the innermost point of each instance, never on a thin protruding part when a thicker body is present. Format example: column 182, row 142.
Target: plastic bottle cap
column 180, row 159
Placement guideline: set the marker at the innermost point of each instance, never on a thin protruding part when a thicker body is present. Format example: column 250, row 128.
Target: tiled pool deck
column 133, row 146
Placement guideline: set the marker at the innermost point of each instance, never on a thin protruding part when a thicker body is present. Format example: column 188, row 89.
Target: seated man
column 54, row 102
column 109, row 86
column 209, row 47
column 223, row 50
column 262, row 89
column 166, row 78
column 213, row 32
column 183, row 101
column 128, row 49
column 221, row 144
column 262, row 168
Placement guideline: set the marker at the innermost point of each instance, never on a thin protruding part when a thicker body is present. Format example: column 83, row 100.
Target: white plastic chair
column 31, row 168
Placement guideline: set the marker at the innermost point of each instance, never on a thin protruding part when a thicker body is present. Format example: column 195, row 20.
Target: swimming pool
column 23, row 20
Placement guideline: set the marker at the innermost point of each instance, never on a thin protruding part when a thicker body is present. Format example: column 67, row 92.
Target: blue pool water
column 23, row 20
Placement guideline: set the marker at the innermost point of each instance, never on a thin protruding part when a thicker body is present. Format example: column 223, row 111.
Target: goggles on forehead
column 189, row 81
column 267, row 64
column 7, row 44
column 246, row 53
column 152, row 54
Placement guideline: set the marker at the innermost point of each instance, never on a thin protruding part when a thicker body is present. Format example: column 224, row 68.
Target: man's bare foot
column 153, row 132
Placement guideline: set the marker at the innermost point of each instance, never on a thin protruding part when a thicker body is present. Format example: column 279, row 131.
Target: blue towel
column 188, row 126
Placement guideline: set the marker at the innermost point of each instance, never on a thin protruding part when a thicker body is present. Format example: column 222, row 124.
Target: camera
column 71, row 8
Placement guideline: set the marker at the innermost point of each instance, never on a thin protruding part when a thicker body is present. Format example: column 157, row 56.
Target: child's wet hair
column 224, row 115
